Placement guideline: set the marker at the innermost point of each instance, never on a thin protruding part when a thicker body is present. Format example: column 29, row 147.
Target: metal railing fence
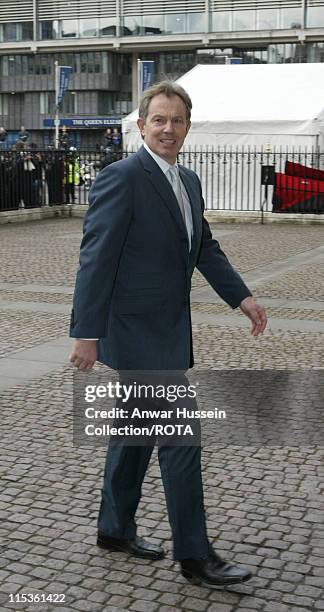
column 231, row 178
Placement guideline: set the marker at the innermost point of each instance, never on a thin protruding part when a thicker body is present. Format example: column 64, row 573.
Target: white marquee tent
column 262, row 106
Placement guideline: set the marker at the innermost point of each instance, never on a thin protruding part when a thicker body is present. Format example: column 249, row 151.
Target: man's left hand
column 256, row 314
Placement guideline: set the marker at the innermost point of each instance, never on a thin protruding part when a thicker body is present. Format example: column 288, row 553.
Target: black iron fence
column 232, row 179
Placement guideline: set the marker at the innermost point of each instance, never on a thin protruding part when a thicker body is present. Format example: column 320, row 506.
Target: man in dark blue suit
column 144, row 233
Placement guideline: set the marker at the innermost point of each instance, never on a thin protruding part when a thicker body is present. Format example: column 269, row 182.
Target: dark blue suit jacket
column 134, row 279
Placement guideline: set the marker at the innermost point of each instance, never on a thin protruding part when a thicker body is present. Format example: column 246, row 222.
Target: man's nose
column 168, row 126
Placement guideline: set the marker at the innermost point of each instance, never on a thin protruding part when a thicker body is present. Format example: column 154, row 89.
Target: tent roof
column 256, row 92
column 253, row 93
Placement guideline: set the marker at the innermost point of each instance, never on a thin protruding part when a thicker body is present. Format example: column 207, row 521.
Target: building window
column 222, row 21
column 243, row 20
column 285, row 54
column 267, row 19
column 96, row 62
column 315, row 52
column 67, row 59
column 153, row 24
column 175, row 24
column 173, row 65
column 9, row 32
column 109, row 103
column 291, row 18
column 88, row 28
column 260, row 56
column 132, row 26
column 123, row 106
column 196, row 22
column 47, row 101
column 84, row 62
column 4, row 64
column 43, row 64
column 315, row 17
column 26, row 29
column 105, row 102
column 212, row 56
column 4, row 104
column 69, row 103
column 107, row 26
column 69, row 28
column 48, row 30
column 12, row 32
column 125, row 64
column 9, row 65
column 16, row 65
column 91, row 62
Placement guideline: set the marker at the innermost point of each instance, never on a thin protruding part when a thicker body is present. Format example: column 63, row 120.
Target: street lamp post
column 57, row 118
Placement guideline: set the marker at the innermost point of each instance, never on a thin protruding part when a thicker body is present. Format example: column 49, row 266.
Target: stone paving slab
column 305, row 283
column 45, row 353
column 25, row 368
column 264, row 504
column 21, row 296
column 35, row 307
column 204, row 297
column 34, row 287
column 64, row 341
column 22, row 330
column 7, row 382
column 256, row 246
column 313, row 311
column 227, row 347
column 313, row 257
column 239, row 320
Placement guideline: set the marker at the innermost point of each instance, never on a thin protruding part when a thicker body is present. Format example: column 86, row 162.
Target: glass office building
column 103, row 39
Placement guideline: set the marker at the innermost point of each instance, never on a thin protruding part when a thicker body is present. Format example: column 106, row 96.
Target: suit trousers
column 181, row 475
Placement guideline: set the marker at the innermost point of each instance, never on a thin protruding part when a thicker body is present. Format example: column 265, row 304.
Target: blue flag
column 62, row 80
column 146, row 74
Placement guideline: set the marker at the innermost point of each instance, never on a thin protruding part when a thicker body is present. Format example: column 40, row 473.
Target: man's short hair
column 169, row 89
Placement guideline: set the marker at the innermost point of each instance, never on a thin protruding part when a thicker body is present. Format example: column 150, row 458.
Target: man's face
column 165, row 127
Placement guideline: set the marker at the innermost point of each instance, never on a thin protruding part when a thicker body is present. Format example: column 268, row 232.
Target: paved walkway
column 264, row 504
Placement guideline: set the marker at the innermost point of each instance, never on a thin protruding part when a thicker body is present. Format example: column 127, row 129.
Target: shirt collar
column 164, row 165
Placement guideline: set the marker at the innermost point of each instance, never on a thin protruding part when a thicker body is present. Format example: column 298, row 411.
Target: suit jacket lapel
column 163, row 188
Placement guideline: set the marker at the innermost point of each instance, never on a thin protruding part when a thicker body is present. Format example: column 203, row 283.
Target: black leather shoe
column 213, row 571
column 137, row 547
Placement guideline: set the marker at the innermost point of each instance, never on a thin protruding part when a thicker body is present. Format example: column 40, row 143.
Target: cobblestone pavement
column 264, row 504
column 19, row 330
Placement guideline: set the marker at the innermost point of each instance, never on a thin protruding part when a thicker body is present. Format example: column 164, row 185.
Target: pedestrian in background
column 23, row 134
column 107, row 142
column 3, row 137
column 38, row 183
column 116, row 139
column 71, row 175
column 54, row 175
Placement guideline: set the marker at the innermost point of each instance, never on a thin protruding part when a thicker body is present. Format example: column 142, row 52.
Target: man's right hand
column 84, row 354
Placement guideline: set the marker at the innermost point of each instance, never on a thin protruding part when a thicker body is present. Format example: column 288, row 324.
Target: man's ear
column 188, row 127
column 141, row 126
